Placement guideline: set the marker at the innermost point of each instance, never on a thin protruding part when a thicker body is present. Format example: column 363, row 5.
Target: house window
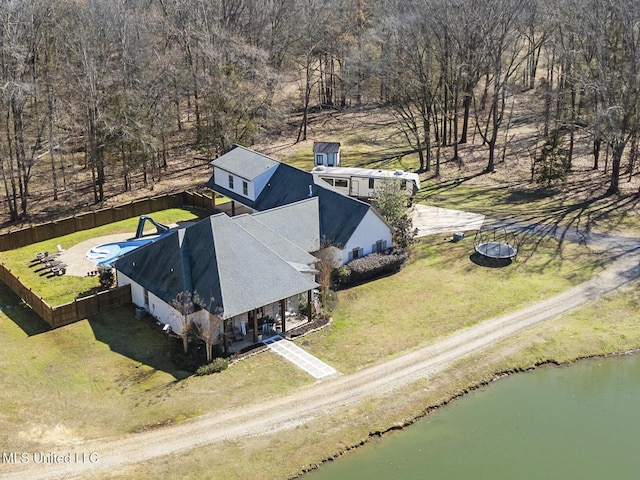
column 231, row 182
column 331, row 159
column 379, row 246
column 341, row 183
column 146, row 297
column 372, row 183
column 403, row 185
column 245, row 188
column 356, row 253
column 319, row 159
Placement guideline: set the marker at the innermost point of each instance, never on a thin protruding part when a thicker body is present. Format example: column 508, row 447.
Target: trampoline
column 496, row 250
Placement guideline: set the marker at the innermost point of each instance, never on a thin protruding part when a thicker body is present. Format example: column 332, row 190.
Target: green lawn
column 64, row 289
column 439, row 292
column 606, row 326
column 114, row 369
column 110, row 375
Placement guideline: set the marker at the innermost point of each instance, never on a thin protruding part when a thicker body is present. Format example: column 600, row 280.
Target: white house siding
column 221, row 178
column 254, row 186
column 371, row 229
column 137, row 291
column 157, row 308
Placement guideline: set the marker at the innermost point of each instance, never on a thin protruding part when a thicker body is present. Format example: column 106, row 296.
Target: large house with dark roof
column 241, row 272
column 350, row 227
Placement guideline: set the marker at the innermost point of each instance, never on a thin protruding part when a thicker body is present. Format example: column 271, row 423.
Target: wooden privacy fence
column 84, row 221
column 70, row 312
column 85, row 307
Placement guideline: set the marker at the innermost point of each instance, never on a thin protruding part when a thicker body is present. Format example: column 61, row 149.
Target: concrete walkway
column 299, row 357
column 434, row 220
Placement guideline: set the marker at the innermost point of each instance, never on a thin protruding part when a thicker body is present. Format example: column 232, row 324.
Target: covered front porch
column 242, row 331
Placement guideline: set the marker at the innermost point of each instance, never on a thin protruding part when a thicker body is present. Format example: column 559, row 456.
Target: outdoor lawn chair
column 52, row 263
column 59, row 269
column 49, row 257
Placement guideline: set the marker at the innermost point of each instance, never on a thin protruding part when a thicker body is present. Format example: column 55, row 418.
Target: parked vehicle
column 362, row 182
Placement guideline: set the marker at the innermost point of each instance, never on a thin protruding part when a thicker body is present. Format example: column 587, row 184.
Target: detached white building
column 326, row 153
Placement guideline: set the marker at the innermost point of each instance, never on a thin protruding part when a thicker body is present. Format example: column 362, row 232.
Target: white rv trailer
column 362, row 182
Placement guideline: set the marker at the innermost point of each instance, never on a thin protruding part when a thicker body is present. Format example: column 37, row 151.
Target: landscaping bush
column 218, row 365
column 192, row 359
column 195, row 357
column 107, row 277
column 369, row 267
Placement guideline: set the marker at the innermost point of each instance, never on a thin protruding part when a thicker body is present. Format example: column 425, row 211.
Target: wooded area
column 116, row 86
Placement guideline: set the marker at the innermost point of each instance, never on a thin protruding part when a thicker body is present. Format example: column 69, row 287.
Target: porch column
column 225, row 340
column 309, row 306
column 233, row 208
column 283, row 311
column 255, row 325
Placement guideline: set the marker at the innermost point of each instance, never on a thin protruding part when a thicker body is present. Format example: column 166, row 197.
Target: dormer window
column 245, row 188
column 230, row 182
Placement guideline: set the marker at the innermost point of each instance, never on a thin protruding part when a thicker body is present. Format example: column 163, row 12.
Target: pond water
column 573, row 422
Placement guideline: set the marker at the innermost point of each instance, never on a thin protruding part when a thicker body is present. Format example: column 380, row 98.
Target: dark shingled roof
column 326, row 147
column 231, row 270
column 339, row 214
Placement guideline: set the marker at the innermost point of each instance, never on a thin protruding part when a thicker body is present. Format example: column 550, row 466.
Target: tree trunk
column 597, row 142
column 614, row 185
column 302, row 133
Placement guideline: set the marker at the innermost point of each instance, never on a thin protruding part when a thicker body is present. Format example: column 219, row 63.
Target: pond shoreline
column 499, row 375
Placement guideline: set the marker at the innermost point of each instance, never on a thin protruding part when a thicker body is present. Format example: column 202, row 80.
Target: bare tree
column 326, row 266
column 207, row 329
column 502, row 51
column 184, row 306
column 611, row 56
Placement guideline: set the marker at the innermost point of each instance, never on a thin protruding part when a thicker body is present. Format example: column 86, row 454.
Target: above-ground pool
column 106, row 253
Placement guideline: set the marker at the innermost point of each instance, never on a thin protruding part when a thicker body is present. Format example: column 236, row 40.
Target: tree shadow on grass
column 135, row 339
column 20, row 313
